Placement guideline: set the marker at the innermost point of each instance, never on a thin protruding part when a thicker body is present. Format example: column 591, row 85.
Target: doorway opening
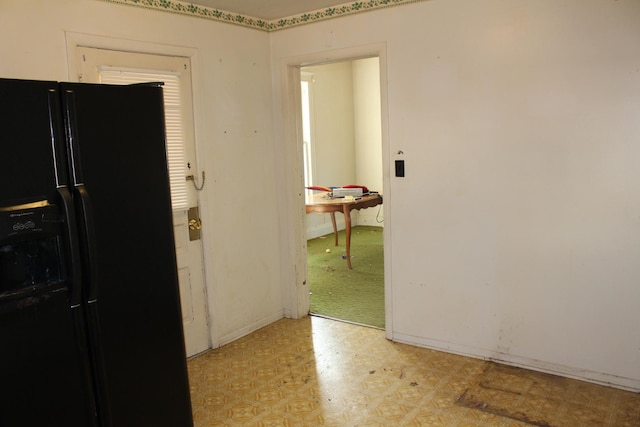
column 342, row 146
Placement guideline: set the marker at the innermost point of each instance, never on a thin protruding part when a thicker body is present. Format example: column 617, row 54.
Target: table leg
column 347, row 229
column 335, row 229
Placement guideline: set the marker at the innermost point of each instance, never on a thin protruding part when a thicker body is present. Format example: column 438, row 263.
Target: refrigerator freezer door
column 44, row 372
column 31, row 165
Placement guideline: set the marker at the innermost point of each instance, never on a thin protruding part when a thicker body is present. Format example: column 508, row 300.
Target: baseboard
column 246, row 330
column 601, row 378
column 322, row 230
column 316, row 231
column 374, row 219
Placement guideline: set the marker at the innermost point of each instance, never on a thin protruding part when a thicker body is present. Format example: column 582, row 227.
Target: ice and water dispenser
column 31, row 248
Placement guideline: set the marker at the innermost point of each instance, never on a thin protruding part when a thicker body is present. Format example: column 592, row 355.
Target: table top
column 322, row 199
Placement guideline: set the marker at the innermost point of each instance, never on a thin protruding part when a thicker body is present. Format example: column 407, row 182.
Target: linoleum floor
column 316, row 371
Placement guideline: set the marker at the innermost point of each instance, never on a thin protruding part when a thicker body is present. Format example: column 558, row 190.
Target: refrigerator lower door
column 43, row 377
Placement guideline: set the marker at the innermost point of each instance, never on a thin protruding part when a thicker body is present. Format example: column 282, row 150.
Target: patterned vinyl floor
column 315, row 371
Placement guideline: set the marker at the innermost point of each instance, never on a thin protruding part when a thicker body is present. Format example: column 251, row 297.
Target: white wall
column 516, row 232
column 234, row 133
column 334, row 148
column 368, row 134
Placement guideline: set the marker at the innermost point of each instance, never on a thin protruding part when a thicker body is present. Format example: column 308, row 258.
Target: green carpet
column 355, row 295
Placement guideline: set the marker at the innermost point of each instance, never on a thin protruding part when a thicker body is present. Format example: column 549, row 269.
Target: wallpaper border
column 185, row 8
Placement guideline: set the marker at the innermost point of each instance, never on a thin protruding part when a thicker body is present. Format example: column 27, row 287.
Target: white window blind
column 173, row 119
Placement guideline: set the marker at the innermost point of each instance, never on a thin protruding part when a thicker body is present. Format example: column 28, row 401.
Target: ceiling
column 268, row 10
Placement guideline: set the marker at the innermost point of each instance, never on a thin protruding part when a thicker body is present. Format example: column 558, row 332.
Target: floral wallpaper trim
column 184, row 8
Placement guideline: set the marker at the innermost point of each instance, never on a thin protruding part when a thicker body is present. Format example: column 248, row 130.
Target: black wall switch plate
column 400, row 168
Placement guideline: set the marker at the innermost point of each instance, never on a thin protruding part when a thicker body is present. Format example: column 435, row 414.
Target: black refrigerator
column 90, row 320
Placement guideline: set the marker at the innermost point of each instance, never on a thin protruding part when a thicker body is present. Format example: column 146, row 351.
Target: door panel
column 188, row 254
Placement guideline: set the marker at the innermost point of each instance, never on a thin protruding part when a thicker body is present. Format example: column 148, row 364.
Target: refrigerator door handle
column 69, row 105
column 83, row 205
column 75, row 287
column 88, row 238
column 91, row 298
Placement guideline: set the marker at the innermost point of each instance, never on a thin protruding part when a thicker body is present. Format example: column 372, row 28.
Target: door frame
column 293, row 247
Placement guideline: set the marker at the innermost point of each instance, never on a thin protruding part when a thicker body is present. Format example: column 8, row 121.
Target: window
column 307, row 151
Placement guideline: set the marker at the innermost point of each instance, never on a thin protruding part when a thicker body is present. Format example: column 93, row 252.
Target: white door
column 192, row 295
column 110, row 66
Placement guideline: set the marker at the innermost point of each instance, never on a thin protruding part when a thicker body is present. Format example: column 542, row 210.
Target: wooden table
column 322, row 203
